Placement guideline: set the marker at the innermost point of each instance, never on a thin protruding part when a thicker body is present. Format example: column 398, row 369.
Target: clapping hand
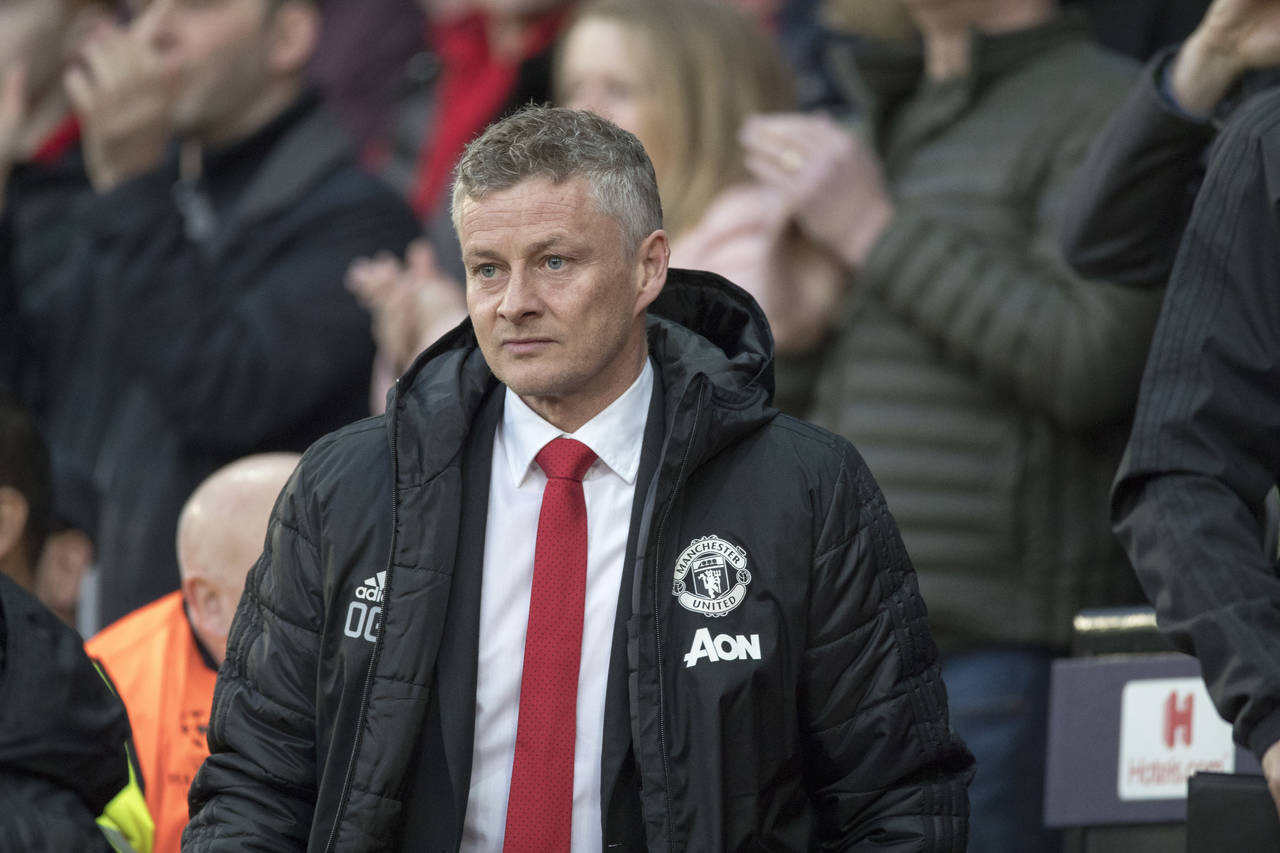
column 412, row 303
column 1234, row 36
column 123, row 91
column 832, row 181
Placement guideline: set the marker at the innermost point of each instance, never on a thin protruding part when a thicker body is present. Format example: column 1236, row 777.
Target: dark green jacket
column 987, row 385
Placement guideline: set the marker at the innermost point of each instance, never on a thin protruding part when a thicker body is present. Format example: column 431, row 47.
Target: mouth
column 525, row 346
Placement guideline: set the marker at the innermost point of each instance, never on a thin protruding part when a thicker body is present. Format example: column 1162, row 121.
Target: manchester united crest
column 711, row 576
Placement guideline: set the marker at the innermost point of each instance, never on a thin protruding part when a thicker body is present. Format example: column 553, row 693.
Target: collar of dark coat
column 876, row 77
column 303, row 155
column 311, row 145
column 708, row 338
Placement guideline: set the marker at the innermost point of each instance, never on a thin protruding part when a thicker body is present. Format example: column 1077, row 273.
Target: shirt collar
column 614, row 435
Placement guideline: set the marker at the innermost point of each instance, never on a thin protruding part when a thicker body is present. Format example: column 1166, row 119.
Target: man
column 1188, row 499
column 207, row 316
column 441, row 652
column 41, row 169
column 163, row 658
column 987, row 384
column 63, row 733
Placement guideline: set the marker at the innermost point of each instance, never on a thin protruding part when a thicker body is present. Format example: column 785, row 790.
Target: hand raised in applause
column 1234, row 36
column 123, row 91
column 412, row 303
column 833, row 182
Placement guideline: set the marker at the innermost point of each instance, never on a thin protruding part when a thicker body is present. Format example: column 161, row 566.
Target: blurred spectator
column 26, row 494
column 1188, row 501
column 486, row 57
column 164, row 657
column 68, row 551
column 41, row 170
column 682, row 75
column 1131, row 201
column 63, row 732
column 205, row 316
column 66, row 777
column 987, row 385
column 42, row 177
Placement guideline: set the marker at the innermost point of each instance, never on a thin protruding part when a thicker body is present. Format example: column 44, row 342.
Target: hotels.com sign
column 1169, row 730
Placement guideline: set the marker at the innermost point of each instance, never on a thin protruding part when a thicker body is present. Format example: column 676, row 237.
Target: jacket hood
column 706, row 334
column 59, row 719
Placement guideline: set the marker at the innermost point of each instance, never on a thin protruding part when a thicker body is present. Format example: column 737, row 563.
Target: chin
column 534, row 383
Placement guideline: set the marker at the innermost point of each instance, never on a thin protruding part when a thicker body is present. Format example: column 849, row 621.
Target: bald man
column 164, row 657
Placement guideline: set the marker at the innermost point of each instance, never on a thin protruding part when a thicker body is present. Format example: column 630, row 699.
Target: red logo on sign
column 1177, row 719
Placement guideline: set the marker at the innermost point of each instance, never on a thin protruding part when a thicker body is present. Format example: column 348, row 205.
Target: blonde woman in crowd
column 682, row 75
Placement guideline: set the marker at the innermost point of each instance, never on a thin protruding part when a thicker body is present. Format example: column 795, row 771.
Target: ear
column 202, row 602
column 295, row 31
column 651, row 268
column 13, row 523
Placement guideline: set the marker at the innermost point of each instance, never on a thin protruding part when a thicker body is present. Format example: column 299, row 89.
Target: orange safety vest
column 167, row 687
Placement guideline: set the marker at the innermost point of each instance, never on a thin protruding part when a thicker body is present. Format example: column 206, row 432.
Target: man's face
column 220, row 48
column 556, row 298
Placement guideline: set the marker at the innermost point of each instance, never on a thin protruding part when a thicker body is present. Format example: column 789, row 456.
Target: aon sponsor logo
column 722, row 647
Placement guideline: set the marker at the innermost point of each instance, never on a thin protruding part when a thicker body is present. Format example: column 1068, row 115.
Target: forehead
column 534, row 209
column 597, row 42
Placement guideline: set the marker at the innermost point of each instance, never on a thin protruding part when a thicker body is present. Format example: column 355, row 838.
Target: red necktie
column 540, row 807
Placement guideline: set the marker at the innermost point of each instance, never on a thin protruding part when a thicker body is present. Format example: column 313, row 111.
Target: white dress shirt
column 515, row 498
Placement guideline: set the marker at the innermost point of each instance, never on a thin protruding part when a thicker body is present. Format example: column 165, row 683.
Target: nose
column 519, row 298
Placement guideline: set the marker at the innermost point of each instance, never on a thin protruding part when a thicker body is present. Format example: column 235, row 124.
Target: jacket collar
column 706, row 337
column 307, row 144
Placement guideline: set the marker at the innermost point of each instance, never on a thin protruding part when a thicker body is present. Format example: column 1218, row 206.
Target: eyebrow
column 483, row 254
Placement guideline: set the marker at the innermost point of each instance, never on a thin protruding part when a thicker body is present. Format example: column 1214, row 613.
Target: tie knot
column 565, row 459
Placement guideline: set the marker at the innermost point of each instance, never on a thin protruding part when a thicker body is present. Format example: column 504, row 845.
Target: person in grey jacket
column 988, row 385
column 756, row 665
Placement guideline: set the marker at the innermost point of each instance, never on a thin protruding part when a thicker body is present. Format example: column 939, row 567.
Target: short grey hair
column 560, row 144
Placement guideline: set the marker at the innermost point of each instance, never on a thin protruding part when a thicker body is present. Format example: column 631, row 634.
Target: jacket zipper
column 377, row 646
column 657, row 627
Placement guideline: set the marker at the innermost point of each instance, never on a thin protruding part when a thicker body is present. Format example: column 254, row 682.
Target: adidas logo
column 364, row 621
column 372, row 588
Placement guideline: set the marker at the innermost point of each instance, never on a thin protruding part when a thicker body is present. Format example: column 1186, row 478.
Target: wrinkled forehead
column 530, row 207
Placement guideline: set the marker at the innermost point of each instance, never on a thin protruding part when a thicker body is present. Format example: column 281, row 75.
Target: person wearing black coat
column 1188, row 501
column 202, row 314
column 63, row 739
column 796, row 704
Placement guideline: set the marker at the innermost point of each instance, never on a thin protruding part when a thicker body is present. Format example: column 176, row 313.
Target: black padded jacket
column 819, row 723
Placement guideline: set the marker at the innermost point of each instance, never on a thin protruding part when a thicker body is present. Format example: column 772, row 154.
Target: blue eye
column 555, row 262
column 487, row 270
